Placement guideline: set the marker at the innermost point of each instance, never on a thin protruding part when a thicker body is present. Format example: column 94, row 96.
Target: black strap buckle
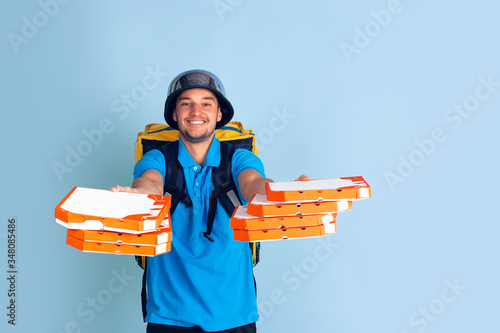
column 208, row 236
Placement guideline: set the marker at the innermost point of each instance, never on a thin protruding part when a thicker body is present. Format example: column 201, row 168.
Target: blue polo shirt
column 201, row 283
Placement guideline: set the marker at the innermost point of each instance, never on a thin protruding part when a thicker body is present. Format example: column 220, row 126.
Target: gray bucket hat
column 197, row 79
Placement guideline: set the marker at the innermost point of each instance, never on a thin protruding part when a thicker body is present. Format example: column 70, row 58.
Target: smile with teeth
column 196, row 122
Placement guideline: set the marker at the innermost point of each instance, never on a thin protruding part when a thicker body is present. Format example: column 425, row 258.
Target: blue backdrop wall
column 405, row 93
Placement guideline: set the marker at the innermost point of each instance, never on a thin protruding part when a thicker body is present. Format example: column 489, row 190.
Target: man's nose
column 195, row 108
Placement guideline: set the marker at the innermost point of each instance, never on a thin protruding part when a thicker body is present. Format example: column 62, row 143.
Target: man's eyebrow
column 188, row 98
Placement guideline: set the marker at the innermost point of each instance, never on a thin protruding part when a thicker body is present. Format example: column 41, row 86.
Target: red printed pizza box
column 260, row 235
column 241, row 220
column 162, row 235
column 345, row 188
column 137, row 250
column 94, row 209
column 260, row 206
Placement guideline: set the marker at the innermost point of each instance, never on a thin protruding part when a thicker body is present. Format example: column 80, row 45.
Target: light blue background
column 395, row 255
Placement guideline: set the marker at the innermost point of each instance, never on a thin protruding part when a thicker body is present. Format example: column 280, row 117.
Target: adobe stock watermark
column 223, row 6
column 32, row 25
column 12, row 272
column 294, row 277
column 277, row 124
column 88, row 309
column 454, row 117
column 380, row 20
column 425, row 315
column 120, row 107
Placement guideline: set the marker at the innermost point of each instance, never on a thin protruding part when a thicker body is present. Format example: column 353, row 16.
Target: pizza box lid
column 260, row 206
column 137, row 250
column 244, row 221
column 162, row 235
column 261, row 235
column 95, row 209
column 345, row 188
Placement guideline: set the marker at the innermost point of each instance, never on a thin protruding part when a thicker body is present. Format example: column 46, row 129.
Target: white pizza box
column 344, row 188
column 241, row 220
column 128, row 249
column 162, row 235
column 95, row 209
column 259, row 235
column 260, row 206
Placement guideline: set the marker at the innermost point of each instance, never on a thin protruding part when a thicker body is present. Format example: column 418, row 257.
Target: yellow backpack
column 232, row 135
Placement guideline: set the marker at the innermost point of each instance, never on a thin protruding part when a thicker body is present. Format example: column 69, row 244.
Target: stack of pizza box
column 297, row 209
column 116, row 222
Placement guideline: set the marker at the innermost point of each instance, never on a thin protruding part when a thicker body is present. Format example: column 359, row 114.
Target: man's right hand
column 303, row 178
column 118, row 188
column 151, row 182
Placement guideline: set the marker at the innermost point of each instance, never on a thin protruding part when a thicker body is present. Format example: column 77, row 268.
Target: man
column 200, row 286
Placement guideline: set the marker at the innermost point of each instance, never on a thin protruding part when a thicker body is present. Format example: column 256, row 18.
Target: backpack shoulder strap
column 144, row 290
column 223, row 179
column 225, row 190
column 174, row 183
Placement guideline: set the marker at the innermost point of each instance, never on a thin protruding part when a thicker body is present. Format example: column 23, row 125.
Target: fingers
column 303, row 178
column 118, row 188
column 115, row 188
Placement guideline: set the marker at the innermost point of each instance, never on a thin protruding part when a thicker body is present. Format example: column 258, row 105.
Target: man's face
column 197, row 112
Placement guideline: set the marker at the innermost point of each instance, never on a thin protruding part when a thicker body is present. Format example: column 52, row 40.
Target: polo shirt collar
column 212, row 159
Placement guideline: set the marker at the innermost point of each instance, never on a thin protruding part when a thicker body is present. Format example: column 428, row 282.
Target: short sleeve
column 244, row 159
column 154, row 160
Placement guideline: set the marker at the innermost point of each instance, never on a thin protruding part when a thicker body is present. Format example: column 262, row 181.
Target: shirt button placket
column 196, row 170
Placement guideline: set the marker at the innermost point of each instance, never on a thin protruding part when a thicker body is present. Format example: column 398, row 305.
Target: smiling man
column 205, row 283
column 197, row 111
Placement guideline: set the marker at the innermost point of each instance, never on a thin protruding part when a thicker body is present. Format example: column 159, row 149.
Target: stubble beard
column 203, row 137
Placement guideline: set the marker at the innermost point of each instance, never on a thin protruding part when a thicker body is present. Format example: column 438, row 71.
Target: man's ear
column 174, row 116
column 219, row 114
